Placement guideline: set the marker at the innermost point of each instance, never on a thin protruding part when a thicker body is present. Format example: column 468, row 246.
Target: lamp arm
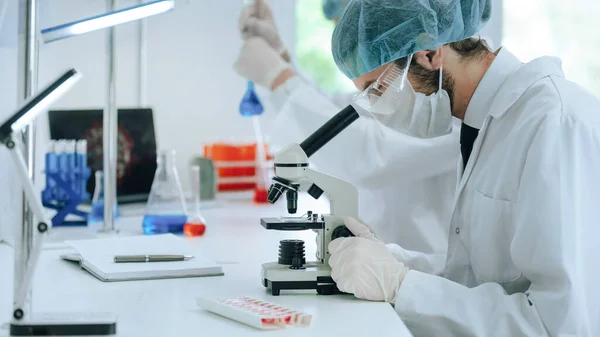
column 42, row 226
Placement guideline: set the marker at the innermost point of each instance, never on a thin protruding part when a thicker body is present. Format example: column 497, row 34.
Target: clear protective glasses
column 380, row 98
column 392, row 101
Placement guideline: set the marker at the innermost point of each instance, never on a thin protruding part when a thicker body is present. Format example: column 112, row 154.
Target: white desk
column 167, row 307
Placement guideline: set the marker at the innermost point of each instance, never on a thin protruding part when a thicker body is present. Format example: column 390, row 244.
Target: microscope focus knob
column 297, row 263
column 315, row 191
column 341, row 232
column 290, row 250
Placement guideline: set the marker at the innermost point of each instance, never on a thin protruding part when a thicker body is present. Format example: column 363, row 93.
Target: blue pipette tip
column 250, row 104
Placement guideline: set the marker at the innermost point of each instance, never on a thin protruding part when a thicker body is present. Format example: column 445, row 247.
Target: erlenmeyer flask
column 195, row 225
column 166, row 209
column 97, row 213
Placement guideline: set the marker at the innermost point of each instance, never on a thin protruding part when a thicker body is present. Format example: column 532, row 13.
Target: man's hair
column 471, row 48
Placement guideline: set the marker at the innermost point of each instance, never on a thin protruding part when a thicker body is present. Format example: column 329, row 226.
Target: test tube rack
column 235, row 165
column 67, row 174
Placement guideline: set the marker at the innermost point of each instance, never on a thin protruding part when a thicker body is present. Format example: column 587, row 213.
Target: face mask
column 392, row 101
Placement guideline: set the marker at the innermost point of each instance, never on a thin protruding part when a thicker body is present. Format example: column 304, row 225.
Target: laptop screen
column 136, row 158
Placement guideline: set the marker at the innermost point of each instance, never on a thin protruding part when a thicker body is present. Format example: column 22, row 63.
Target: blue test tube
column 81, row 167
column 63, row 167
column 72, row 168
column 51, row 167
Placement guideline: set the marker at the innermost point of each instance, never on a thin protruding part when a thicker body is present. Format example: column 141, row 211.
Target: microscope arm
column 343, row 195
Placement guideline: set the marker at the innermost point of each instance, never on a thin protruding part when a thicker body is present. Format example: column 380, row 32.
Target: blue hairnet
column 371, row 33
column 333, row 9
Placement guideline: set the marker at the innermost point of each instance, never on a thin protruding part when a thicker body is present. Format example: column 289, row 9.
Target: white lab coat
column 523, row 250
column 405, row 184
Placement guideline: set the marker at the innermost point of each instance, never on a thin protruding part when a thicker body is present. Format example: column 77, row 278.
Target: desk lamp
column 106, row 20
column 42, row 323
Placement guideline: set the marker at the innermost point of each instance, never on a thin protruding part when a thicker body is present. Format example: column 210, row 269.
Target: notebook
column 97, row 257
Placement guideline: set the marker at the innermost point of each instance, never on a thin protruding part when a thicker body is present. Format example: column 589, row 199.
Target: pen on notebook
column 151, row 258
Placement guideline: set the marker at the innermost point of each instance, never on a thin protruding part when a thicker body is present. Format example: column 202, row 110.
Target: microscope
column 292, row 271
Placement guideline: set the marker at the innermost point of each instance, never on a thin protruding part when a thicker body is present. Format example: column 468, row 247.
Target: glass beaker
column 166, row 208
column 195, row 225
column 97, row 213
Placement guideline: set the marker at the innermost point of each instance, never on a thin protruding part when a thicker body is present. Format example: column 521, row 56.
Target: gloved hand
column 257, row 20
column 366, row 269
column 357, row 228
column 318, row 243
column 258, row 62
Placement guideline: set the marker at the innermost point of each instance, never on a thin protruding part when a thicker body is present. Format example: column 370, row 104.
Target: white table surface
column 234, row 238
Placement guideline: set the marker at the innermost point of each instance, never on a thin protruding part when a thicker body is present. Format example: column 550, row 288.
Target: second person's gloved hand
column 258, row 62
column 257, row 20
column 363, row 266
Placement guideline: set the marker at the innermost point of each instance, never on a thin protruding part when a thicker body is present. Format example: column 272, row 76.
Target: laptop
column 136, row 158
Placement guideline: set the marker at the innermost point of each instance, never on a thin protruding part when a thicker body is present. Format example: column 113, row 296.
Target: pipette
column 251, row 106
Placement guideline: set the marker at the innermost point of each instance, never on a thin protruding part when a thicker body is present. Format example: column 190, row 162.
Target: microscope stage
column 290, row 224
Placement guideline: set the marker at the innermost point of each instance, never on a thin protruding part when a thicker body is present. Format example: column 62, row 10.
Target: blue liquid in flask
column 163, row 223
column 250, row 104
column 165, row 210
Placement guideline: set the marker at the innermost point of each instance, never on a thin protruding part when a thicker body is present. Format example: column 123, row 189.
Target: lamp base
column 65, row 324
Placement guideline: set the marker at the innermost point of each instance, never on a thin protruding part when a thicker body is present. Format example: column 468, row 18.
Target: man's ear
column 430, row 59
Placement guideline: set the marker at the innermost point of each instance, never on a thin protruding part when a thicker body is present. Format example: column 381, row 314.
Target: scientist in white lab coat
column 523, row 250
column 405, row 183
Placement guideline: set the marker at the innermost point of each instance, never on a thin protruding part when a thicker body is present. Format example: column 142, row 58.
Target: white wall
column 10, row 193
column 493, row 31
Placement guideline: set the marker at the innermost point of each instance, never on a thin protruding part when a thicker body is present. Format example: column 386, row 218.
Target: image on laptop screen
column 136, row 158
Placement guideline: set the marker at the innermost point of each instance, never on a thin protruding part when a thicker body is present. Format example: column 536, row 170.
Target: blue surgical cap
column 333, row 9
column 371, row 33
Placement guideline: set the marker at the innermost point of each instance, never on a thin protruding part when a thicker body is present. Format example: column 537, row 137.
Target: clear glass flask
column 166, row 208
column 195, row 225
column 96, row 215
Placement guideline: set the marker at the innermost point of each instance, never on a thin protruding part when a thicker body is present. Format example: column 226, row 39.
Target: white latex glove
column 257, row 20
column 366, row 269
column 318, row 243
column 258, row 62
column 427, row 263
column 357, row 228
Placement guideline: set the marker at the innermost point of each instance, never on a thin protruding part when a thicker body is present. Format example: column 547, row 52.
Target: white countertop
column 235, row 239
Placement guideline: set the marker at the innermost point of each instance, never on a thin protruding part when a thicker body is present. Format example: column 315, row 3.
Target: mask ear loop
column 405, row 72
column 440, row 80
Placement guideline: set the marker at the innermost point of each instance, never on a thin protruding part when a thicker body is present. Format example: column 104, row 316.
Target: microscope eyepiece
column 329, row 130
column 292, row 201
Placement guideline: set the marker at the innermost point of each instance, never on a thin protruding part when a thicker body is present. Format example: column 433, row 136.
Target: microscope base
column 56, row 324
column 277, row 277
